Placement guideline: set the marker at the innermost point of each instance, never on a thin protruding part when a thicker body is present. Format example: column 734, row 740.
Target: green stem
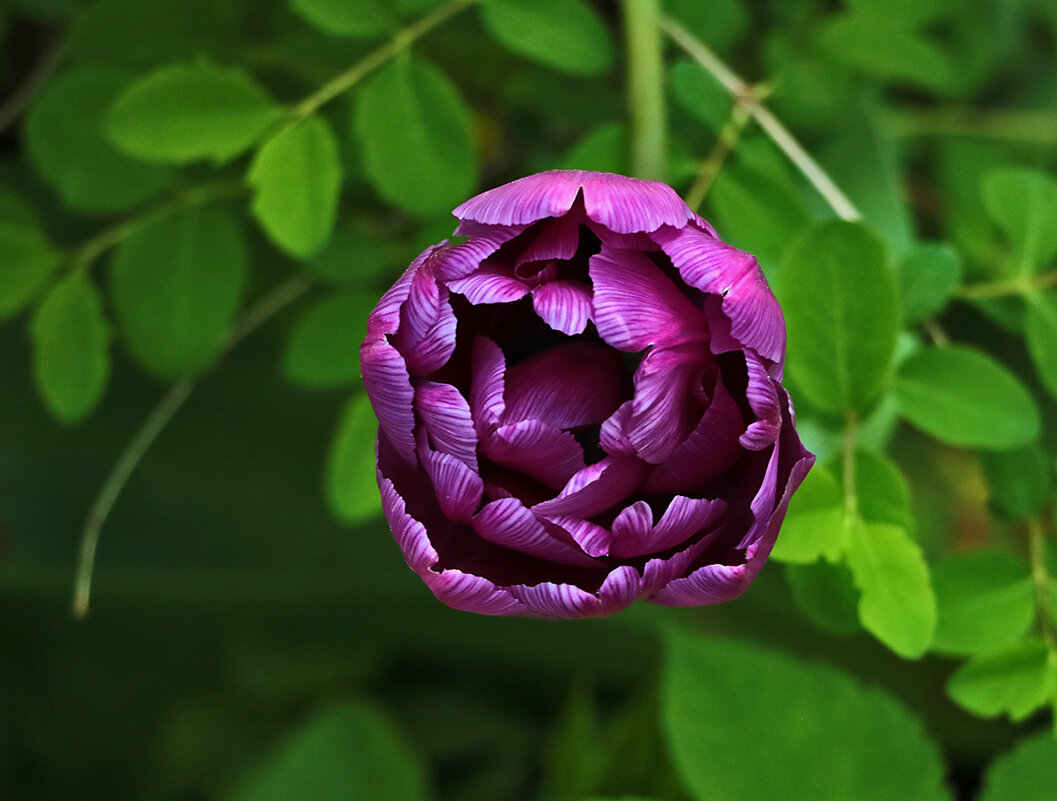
column 399, row 42
column 1028, row 125
column 1040, row 578
column 745, row 97
column 851, row 495
column 711, row 166
column 1012, row 286
column 645, row 47
column 148, row 432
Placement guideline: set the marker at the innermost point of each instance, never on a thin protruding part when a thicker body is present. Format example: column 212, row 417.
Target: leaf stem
column 148, row 432
column 851, row 496
column 1041, row 580
column 728, row 139
column 746, row 98
column 399, row 42
column 1012, row 286
column 1013, row 125
column 645, row 52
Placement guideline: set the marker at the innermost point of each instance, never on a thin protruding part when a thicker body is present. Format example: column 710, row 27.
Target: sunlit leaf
column 1017, row 681
column 603, row 149
column 1023, row 203
column 814, row 525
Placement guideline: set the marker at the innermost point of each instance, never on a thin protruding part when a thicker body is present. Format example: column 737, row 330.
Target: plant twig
column 19, row 99
column 744, row 97
column 728, row 139
column 1008, row 287
column 1040, row 578
column 148, row 432
column 1012, row 125
column 645, row 47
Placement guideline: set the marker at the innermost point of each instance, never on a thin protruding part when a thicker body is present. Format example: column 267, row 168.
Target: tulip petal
column 710, row 584
column 591, row 538
column 457, row 487
column 556, row 239
column 470, row 593
column 613, row 436
column 710, row 265
column 410, row 534
column 669, row 397
column 509, row 523
column 426, row 336
column 489, row 285
column 634, row 536
column 594, row 489
column 575, row 384
column 762, row 395
column 536, row 449
column 388, row 385
column 563, row 305
column 487, row 385
column 458, row 261
column 636, row 305
column 446, row 415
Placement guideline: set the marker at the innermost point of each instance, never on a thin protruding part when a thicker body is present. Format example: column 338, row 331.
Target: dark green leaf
column 187, row 112
column 723, row 26
column 964, row 397
column 355, row 255
column 1028, row 772
column 323, row 350
column 700, row 95
column 70, row 358
column 1024, row 205
column 567, row 35
column 985, row 601
column 929, row 276
column 841, row 308
column 826, row 594
column 897, row 604
column 64, row 139
column 1019, row 481
column 603, row 149
column 1017, row 681
column 297, row 180
column 725, row 699
column 575, row 752
column 176, row 284
column 1040, row 330
column 28, row 259
column 349, row 750
column 417, row 138
column 814, row 525
column 351, row 488
column 355, row 19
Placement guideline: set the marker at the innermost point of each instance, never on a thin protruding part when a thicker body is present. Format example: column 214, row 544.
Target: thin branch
column 728, row 139
column 1036, row 126
column 19, row 99
column 1040, row 578
column 744, row 97
column 1009, row 287
column 646, row 95
column 149, row 430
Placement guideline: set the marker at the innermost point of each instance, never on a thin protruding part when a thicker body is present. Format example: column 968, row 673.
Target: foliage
column 199, row 203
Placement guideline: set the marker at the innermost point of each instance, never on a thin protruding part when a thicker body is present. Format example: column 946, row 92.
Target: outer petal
column 446, row 416
column 489, row 285
column 567, row 601
column 388, row 386
column 458, row 488
column 563, row 305
column 636, row 305
column 471, row 593
column 710, row 265
column 711, row 584
column 509, row 523
column 426, row 336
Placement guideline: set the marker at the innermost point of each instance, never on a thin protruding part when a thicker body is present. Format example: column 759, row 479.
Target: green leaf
column 985, row 600
column 296, row 176
column 725, row 700
column 700, row 95
column 186, row 112
column 70, row 358
column 567, row 35
column 929, row 275
column 1017, row 681
column 841, row 309
column 416, row 135
column 354, row 19
column 826, row 594
column 602, row 149
column 1023, row 203
column 323, row 350
column 1040, row 330
column 814, row 525
column 882, row 491
column 351, row 488
column 1028, row 772
column 575, row 752
column 725, row 24
column 964, row 397
column 176, row 284
column 1019, row 481
column 357, row 256
column 348, row 750
column 28, row 259
column 65, row 142
column 897, row 604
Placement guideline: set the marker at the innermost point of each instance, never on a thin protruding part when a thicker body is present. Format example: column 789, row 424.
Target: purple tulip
column 579, row 404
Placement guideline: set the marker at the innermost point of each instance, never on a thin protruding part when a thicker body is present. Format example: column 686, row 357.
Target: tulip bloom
column 579, row 404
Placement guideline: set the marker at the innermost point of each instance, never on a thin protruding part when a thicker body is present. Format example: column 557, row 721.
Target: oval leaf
column 897, row 604
column 354, row 19
column 323, row 350
column 1040, row 330
column 187, row 112
column 814, row 524
column 70, row 358
column 963, row 397
column 1023, row 203
column 567, row 35
column 842, row 312
column 66, row 143
column 929, row 276
column 1019, row 481
column 724, row 701
column 826, row 594
column 417, row 138
column 28, row 259
column 1017, row 681
column 176, row 283
column 351, row 484
column 1027, row 773
column 297, row 180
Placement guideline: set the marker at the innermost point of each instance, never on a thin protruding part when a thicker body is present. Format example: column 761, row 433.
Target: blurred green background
column 175, row 174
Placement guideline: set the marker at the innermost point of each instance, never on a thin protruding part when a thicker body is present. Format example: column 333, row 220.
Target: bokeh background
column 201, row 200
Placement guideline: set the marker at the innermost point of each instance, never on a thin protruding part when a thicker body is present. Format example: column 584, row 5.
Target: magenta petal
column 709, row 450
column 470, row 593
column 712, row 266
column 458, row 261
column 426, row 336
column 613, row 436
column 662, row 412
column 593, row 539
column 636, row 305
column 620, row 589
column 569, row 385
column 561, row 601
column 711, row 584
column 628, row 205
column 634, row 536
column 507, row 522
column 594, row 489
column 536, row 449
column 409, row 533
column 489, row 286
column 526, row 200
column 563, row 305
column 487, row 385
column 446, row 415
column 388, row 386
column 762, row 395
column 458, row 488
column 558, row 239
